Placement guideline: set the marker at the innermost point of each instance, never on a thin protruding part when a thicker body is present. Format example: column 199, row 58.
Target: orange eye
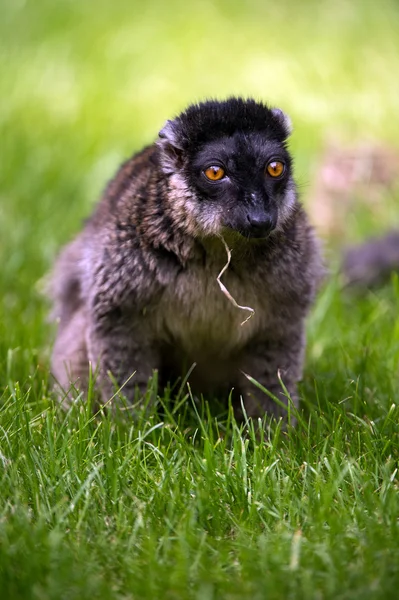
column 275, row 168
column 214, row 173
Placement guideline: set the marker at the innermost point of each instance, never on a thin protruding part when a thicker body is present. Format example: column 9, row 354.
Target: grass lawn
column 188, row 504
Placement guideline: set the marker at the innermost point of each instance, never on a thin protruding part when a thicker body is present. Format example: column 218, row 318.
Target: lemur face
column 244, row 182
column 236, row 168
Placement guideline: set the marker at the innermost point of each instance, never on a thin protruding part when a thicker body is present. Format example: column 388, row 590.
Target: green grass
column 188, row 504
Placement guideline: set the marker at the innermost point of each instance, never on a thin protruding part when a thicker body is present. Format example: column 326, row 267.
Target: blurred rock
column 371, row 263
column 347, row 176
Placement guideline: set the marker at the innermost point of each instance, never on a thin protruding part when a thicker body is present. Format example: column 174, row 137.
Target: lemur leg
column 70, row 363
column 265, row 362
column 125, row 356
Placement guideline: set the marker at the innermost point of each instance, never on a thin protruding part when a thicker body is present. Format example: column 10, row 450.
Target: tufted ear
column 169, row 133
column 284, row 120
column 171, row 149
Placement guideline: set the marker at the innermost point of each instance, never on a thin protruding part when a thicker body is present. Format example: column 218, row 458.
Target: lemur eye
column 214, row 173
column 275, row 168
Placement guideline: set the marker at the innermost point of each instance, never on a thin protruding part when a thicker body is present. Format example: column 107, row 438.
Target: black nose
column 261, row 225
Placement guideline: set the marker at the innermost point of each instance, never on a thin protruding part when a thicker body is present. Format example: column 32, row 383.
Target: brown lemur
column 137, row 290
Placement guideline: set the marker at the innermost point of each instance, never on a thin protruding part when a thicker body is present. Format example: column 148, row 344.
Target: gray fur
column 137, row 290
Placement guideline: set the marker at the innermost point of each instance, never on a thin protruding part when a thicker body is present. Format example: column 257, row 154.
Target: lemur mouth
column 257, row 235
column 255, row 226
column 250, row 233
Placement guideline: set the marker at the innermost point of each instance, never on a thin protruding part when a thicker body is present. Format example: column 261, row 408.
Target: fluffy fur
column 137, row 289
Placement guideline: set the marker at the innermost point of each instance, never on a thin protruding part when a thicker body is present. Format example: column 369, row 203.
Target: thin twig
column 224, row 288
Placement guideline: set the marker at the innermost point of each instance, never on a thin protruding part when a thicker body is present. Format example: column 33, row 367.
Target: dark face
column 243, row 182
column 228, row 168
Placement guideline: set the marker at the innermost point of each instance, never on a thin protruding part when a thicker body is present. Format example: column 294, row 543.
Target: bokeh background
column 83, row 84
column 178, row 506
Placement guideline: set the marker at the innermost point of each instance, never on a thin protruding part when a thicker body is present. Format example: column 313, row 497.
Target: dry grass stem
column 225, row 290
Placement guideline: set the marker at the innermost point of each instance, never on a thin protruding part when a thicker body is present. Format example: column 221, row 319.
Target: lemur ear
column 169, row 133
column 171, row 148
column 283, row 119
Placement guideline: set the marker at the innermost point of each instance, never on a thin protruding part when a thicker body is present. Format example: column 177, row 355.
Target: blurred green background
column 83, row 84
column 89, row 510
